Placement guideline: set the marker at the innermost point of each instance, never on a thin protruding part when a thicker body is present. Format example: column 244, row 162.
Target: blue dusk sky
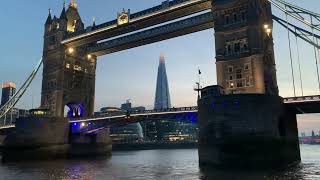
column 131, row 74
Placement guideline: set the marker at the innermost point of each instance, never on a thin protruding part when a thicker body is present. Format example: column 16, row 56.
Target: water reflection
column 290, row 173
column 154, row 164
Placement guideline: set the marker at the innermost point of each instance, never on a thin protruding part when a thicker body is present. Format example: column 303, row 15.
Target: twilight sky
column 131, row 74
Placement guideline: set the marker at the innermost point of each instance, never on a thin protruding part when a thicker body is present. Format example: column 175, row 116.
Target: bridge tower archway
column 68, row 72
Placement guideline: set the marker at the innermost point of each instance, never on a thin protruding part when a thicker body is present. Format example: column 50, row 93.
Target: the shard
column 162, row 98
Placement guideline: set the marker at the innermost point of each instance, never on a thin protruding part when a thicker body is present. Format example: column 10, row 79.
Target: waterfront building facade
column 8, row 90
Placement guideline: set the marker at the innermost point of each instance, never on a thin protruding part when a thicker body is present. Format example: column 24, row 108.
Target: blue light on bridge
column 237, row 103
column 193, row 117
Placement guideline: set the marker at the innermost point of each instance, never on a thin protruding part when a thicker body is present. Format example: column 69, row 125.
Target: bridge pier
column 94, row 144
column 38, row 138
column 247, row 130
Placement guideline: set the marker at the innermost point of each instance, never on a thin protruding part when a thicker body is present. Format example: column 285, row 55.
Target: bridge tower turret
column 68, row 83
column 244, row 46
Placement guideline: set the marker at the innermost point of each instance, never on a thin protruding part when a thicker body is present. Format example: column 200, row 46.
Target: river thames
column 153, row 164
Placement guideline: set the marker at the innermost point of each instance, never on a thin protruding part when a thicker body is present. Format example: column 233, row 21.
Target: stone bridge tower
column 244, row 46
column 68, row 84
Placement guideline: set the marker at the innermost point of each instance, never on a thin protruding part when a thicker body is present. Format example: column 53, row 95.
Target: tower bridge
column 167, row 11
column 243, row 110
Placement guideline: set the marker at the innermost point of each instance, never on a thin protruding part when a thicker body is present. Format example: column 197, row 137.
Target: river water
column 153, row 164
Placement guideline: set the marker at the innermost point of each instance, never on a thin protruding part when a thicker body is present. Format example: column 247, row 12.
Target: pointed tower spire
column 94, row 21
column 63, row 13
column 49, row 19
column 73, row 4
column 162, row 59
column 162, row 99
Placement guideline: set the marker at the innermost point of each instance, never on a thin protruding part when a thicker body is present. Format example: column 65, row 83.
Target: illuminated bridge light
column 83, row 124
column 70, row 50
column 237, row 103
column 223, row 104
column 74, row 124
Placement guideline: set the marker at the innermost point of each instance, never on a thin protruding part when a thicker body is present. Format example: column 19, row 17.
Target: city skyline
column 129, row 66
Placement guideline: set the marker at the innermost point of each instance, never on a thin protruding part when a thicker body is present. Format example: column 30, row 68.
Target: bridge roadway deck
column 165, row 12
column 301, row 105
column 168, row 31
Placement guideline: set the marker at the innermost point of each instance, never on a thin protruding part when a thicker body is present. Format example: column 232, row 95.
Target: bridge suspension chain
column 291, row 59
column 299, row 64
column 298, row 13
column 7, row 107
column 307, row 18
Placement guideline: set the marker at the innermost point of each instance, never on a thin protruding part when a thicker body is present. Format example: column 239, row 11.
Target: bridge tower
column 244, row 46
column 68, row 83
column 245, row 123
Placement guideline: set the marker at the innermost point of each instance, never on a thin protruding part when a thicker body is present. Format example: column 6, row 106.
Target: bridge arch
column 73, row 110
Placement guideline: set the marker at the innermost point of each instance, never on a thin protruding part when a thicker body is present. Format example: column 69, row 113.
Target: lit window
column 68, row 66
column 77, row 68
column 231, row 84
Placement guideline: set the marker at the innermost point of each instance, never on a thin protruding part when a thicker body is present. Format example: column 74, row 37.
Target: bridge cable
column 296, row 12
column 298, row 53
column 291, row 59
column 17, row 96
column 315, row 51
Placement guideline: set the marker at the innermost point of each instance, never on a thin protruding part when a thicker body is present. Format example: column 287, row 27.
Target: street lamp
column 267, row 29
column 89, row 56
column 70, row 50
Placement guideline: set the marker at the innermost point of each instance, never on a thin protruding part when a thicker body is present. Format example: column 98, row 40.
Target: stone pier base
column 49, row 138
column 247, row 130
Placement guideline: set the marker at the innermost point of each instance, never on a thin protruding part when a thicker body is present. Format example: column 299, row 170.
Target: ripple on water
column 153, row 164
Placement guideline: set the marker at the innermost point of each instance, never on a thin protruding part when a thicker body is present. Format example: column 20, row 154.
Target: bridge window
column 246, row 66
column 227, row 19
column 236, row 47
column 230, row 69
column 235, row 19
column 248, row 81
column 239, row 76
column 243, row 15
column 235, row 16
column 52, row 40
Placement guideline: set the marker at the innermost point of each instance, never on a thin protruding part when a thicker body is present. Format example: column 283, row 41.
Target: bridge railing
column 146, row 112
column 301, row 99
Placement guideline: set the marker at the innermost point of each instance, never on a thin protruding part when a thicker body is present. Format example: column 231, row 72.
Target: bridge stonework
column 68, row 73
column 244, row 46
column 243, row 121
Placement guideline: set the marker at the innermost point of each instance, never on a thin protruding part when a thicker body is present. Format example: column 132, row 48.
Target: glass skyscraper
column 162, row 98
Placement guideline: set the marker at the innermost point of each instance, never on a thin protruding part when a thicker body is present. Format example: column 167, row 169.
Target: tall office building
column 8, row 90
column 162, row 99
